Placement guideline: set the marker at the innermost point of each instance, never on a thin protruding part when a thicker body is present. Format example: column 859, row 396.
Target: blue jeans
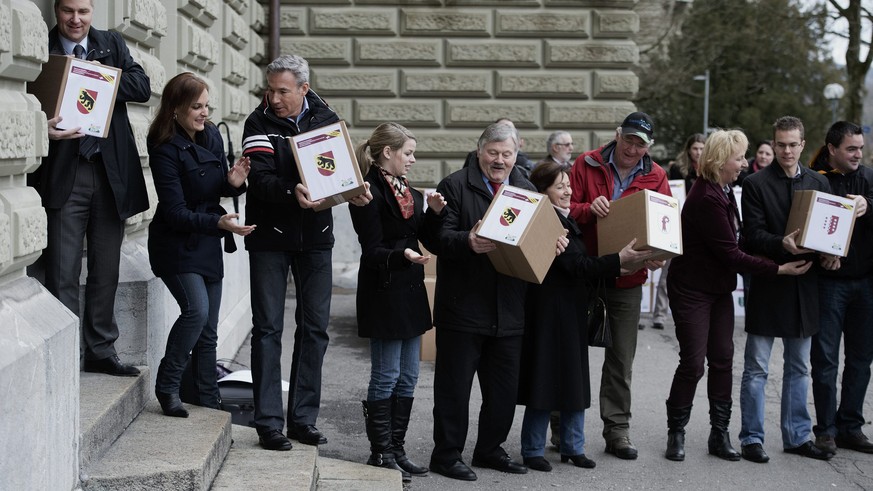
column 195, row 332
column 795, row 421
column 313, row 281
column 536, row 423
column 393, row 367
column 846, row 310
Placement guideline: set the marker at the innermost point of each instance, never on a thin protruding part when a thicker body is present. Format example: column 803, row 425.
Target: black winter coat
column 391, row 299
column 271, row 203
column 471, row 296
column 778, row 306
column 554, row 358
column 190, row 179
column 55, row 177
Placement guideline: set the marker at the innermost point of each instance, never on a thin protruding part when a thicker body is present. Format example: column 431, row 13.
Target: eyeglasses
column 792, row 145
column 564, row 144
column 634, row 142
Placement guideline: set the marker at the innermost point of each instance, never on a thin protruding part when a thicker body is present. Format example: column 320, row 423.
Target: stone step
column 340, row 475
column 107, row 405
column 158, row 453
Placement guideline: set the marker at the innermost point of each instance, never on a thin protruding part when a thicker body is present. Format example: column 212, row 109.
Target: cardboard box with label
column 327, row 164
column 652, row 218
column 524, row 226
column 825, row 221
column 81, row 92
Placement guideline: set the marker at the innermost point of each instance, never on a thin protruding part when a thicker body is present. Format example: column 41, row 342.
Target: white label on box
column 327, row 163
column 512, row 212
column 87, row 98
column 665, row 230
column 830, row 221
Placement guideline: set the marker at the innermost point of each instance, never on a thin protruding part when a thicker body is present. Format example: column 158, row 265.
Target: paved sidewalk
column 346, row 374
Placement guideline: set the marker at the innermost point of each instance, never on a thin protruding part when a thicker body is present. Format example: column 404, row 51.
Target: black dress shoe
column 112, row 366
column 809, row 449
column 622, row 448
column 454, row 470
column 579, row 461
column 502, row 463
column 171, row 405
column 754, row 452
column 854, row 441
column 538, row 464
column 274, row 440
column 306, row 434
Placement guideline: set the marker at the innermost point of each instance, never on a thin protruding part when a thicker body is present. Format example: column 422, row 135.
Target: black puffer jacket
column 270, row 202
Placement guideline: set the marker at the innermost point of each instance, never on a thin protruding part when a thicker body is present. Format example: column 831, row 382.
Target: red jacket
column 590, row 177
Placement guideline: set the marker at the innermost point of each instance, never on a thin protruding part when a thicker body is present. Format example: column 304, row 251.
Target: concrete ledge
column 157, row 452
column 107, row 405
column 340, row 475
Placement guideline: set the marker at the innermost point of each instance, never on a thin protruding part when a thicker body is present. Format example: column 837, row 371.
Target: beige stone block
column 569, row 23
column 412, row 113
column 140, row 118
column 144, row 21
column 454, row 144
column 257, row 80
column 495, row 3
column 291, row 20
column 421, row 3
column 235, row 66
column 565, row 114
column 425, row 171
column 257, row 49
column 496, row 54
column 571, row 84
column 481, row 114
column 319, row 51
column 601, row 138
column 615, row 84
column 454, row 165
column 195, row 47
column 591, row 54
column 445, row 23
column 343, row 109
column 403, row 52
column 455, row 83
column 370, row 21
column 359, row 82
column 257, row 16
column 204, row 12
column 18, row 129
column 152, row 67
column 235, row 31
column 236, row 104
column 29, row 33
column 27, row 220
column 6, row 28
column 615, row 23
column 590, row 3
column 324, row 2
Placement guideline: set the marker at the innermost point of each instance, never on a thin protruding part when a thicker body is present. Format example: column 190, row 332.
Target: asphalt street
column 346, row 374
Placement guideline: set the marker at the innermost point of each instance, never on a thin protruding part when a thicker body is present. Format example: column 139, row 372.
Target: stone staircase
column 126, row 443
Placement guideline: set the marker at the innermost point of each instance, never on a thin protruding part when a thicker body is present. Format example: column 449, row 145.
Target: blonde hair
column 391, row 135
column 720, row 146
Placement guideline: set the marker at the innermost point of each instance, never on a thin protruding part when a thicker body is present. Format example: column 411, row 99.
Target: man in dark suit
column 89, row 186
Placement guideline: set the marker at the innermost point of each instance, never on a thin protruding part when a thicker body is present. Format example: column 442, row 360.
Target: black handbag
column 599, row 331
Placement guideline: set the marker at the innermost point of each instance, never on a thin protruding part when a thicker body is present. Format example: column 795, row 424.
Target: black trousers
column 460, row 355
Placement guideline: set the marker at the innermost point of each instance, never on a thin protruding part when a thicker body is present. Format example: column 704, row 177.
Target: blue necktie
column 88, row 145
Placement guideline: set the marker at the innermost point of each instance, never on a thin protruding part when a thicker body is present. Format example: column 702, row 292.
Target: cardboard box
column 825, row 221
column 428, row 339
column 652, row 218
column 81, row 92
column 327, row 164
column 524, row 226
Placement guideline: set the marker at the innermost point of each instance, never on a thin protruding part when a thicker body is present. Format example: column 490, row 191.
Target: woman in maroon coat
column 700, row 289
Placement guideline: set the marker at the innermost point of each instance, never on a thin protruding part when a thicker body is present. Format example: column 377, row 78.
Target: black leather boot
column 677, row 418
column 401, row 408
column 377, row 415
column 171, row 405
column 719, row 439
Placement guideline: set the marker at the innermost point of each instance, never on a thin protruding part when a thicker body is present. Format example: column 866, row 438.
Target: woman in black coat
column 392, row 302
column 190, row 172
column 554, row 361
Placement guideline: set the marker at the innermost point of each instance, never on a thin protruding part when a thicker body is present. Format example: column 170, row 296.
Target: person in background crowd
column 846, row 301
column 478, row 314
column 89, row 186
column 701, row 283
column 685, row 167
column 619, row 168
column 763, row 157
column 554, row 359
column 560, row 148
column 522, row 161
column 784, row 307
column 392, row 305
column 186, row 155
column 290, row 236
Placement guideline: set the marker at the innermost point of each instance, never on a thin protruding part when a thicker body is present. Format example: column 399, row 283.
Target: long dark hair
column 179, row 93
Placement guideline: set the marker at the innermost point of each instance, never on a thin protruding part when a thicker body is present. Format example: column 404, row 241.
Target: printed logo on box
column 95, row 128
column 325, row 163
column 665, row 221
column 86, row 101
column 509, row 215
column 830, row 224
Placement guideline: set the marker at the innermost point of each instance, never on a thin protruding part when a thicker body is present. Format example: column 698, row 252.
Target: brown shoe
column 826, row 442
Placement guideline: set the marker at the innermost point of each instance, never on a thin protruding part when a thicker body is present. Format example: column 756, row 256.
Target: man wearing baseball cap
column 615, row 170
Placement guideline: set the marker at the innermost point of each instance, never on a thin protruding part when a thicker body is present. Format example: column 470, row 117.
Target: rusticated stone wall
column 448, row 68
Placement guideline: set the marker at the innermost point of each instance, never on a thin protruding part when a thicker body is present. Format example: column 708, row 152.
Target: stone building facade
column 444, row 68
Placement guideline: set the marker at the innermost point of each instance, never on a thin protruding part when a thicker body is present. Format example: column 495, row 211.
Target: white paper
column 245, row 376
column 678, row 191
column 665, row 227
column 830, row 221
column 511, row 214
column 327, row 165
column 88, row 97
